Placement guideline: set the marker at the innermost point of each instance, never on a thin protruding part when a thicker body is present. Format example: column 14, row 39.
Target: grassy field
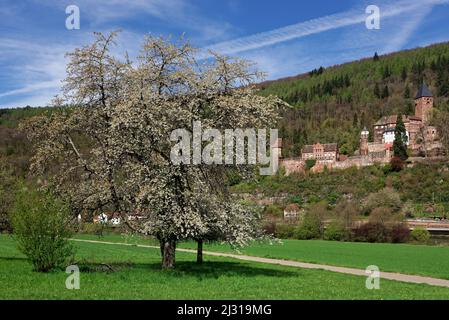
column 137, row 275
column 404, row 258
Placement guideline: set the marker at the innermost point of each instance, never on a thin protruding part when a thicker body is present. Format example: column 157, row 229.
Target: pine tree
column 377, row 91
column 385, row 92
column 386, row 73
column 400, row 140
column 404, row 74
column 407, row 92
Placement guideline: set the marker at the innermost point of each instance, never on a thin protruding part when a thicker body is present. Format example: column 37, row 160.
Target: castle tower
column 423, row 103
column 364, row 137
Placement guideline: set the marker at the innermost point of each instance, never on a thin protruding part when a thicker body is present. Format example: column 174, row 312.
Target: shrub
column 346, row 213
column 336, row 232
column 274, row 210
column 381, row 215
column 387, row 198
column 285, row 231
column 399, row 233
column 310, row 163
column 420, row 235
column 372, row 232
column 310, row 228
column 41, row 228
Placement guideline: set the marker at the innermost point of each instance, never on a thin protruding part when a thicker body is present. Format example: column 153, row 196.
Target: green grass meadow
column 432, row 261
column 136, row 274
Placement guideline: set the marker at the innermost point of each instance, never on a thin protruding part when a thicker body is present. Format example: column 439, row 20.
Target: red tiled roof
column 393, row 119
column 330, row 147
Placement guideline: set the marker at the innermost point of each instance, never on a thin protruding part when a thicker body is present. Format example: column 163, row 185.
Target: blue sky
column 284, row 37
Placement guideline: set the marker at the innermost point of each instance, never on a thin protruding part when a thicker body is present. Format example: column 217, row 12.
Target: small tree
column 312, row 227
column 41, row 227
column 400, row 140
column 386, row 198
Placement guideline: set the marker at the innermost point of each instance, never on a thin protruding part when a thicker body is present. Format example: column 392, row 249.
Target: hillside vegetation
column 334, row 104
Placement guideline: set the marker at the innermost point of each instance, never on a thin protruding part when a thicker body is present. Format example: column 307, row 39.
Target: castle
column 422, row 141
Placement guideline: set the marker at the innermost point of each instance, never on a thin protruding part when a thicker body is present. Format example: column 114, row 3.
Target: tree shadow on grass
column 206, row 270
column 213, row 269
column 13, row 258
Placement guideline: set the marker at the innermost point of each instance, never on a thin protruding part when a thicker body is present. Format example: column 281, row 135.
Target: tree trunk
column 199, row 252
column 168, row 255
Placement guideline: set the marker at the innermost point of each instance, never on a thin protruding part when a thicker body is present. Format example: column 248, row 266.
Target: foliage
column 41, row 225
column 385, row 198
column 440, row 119
column 420, row 235
column 399, row 233
column 310, row 163
column 372, row 232
column 273, row 210
column 385, row 215
column 285, row 231
column 336, row 232
column 128, row 111
column 400, row 140
column 312, row 226
column 345, row 213
column 7, row 191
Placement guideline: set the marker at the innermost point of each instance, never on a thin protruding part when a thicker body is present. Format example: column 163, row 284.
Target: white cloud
column 316, row 26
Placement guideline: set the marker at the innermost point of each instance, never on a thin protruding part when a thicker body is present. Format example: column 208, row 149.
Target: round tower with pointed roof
column 364, row 136
column 423, row 103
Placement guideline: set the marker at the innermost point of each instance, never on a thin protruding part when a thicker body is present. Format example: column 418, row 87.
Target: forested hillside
column 15, row 150
column 334, row 104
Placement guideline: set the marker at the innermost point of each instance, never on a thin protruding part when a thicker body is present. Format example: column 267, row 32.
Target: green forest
column 334, row 104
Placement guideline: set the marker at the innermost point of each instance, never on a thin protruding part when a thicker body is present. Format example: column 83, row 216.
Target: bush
column 387, row 198
column 399, row 233
column 274, row 210
column 420, row 235
column 285, row 231
column 310, row 163
column 41, row 228
column 372, row 232
column 310, row 228
column 336, row 232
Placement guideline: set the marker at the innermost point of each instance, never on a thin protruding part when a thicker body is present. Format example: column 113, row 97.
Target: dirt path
column 358, row 272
